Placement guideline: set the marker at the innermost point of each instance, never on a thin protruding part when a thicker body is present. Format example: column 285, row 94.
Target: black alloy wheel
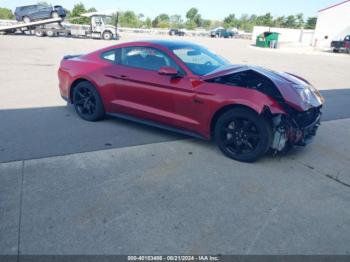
column 243, row 135
column 87, row 102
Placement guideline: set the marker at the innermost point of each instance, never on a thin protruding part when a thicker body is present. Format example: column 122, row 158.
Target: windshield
column 107, row 20
column 199, row 60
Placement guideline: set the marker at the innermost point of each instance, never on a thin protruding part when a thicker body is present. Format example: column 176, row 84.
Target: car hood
column 273, row 75
column 286, row 83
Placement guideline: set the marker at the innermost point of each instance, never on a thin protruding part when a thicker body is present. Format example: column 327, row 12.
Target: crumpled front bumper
column 306, row 134
column 299, row 129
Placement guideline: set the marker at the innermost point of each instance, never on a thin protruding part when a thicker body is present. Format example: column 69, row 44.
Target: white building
column 333, row 23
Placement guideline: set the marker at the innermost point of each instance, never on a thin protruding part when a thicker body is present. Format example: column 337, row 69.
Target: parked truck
column 100, row 27
column 343, row 45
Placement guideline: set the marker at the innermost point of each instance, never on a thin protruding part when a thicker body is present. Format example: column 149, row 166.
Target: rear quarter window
column 112, row 56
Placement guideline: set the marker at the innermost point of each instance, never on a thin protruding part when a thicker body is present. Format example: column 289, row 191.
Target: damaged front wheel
column 243, row 135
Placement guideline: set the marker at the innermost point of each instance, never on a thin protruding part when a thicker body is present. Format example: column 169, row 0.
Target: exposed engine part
column 277, row 120
column 298, row 128
column 252, row 79
column 280, row 137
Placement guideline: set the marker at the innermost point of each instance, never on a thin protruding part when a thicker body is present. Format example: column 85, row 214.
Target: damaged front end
column 296, row 128
column 301, row 102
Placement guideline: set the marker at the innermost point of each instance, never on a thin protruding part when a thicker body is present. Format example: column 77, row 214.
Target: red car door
column 139, row 90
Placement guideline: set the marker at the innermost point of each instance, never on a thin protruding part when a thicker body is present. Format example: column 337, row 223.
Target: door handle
column 123, row 76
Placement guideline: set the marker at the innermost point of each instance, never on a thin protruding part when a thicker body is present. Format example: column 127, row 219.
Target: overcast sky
column 210, row 9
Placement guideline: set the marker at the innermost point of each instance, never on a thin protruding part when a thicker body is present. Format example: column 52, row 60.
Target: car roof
column 30, row 5
column 169, row 44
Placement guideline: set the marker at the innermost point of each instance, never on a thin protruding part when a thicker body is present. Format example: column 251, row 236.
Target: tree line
column 192, row 20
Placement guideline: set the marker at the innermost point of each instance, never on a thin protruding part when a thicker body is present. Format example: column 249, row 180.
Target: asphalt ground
column 32, row 133
column 36, row 123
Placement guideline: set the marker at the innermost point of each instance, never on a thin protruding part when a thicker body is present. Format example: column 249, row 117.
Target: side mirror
column 167, row 70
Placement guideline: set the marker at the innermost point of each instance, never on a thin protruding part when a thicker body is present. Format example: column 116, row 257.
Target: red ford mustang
column 184, row 87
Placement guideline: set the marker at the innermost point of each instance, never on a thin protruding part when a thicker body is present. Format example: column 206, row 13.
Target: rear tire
column 87, row 102
column 54, row 15
column 50, row 33
column 243, row 135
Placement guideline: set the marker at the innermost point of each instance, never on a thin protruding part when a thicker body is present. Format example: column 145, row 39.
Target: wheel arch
column 264, row 112
column 107, row 31
column 74, row 84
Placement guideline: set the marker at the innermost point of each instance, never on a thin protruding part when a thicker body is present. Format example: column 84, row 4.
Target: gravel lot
column 155, row 192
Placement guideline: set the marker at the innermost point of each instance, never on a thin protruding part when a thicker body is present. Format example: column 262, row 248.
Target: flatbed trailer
column 13, row 26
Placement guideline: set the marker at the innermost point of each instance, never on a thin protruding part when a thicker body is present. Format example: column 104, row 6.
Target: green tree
column 216, row 23
column 300, row 20
column 78, row 9
column 6, row 13
column 267, row 19
column 129, row 19
column 162, row 21
column 190, row 25
column 194, row 19
column 247, row 22
column 311, row 23
column 147, row 23
column 290, row 22
column 192, row 13
column 206, row 23
column 176, row 21
column 279, row 21
column 91, row 10
column 230, row 21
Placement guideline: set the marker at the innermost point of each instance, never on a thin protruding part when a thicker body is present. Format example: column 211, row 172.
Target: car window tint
column 146, row 58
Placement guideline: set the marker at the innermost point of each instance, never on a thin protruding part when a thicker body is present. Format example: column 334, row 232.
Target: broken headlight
column 309, row 95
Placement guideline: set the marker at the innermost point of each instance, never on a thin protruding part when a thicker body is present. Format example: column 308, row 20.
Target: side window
column 112, row 56
column 146, row 58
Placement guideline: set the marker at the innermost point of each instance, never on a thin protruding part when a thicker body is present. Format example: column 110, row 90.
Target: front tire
column 39, row 33
column 87, row 102
column 243, row 135
column 107, row 35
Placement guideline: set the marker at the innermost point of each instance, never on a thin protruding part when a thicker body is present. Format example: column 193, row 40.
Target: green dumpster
column 267, row 39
